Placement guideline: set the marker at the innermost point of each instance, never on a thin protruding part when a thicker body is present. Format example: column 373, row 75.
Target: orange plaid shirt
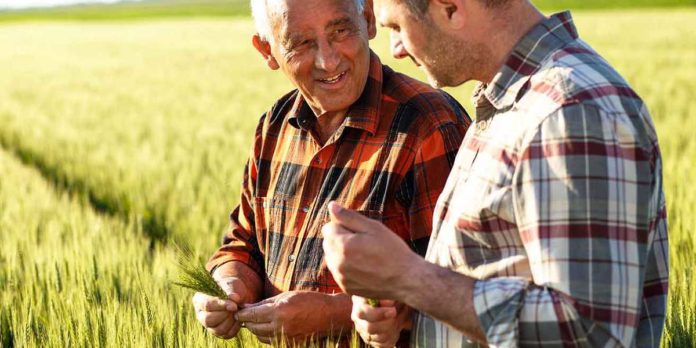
column 389, row 160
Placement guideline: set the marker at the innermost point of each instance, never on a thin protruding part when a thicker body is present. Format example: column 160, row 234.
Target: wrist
column 338, row 307
column 239, row 272
column 410, row 281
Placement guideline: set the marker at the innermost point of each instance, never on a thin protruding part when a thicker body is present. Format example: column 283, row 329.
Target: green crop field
column 118, row 138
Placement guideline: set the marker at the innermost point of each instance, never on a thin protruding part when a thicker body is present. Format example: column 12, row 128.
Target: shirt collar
column 526, row 58
column 363, row 114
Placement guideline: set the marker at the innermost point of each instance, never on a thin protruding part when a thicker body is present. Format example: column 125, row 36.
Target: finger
column 335, row 231
column 387, row 303
column 256, row 314
column 385, row 339
column 211, row 319
column 374, row 328
column 381, row 340
column 350, row 219
column 361, row 328
column 373, row 314
column 232, row 332
column 217, row 305
column 203, row 302
column 260, row 303
column 235, row 297
column 223, row 328
column 358, row 300
column 263, row 329
column 365, row 337
column 199, row 299
column 379, row 328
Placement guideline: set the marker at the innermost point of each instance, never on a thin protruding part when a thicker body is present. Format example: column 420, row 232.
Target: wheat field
column 120, row 138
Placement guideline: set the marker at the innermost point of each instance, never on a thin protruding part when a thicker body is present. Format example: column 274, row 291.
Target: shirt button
column 483, row 125
column 305, row 209
column 291, row 258
column 318, row 160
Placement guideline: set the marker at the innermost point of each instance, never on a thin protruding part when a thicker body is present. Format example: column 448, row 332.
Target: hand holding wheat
column 193, row 275
column 215, row 305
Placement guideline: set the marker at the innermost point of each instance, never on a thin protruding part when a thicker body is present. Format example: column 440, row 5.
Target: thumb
column 349, row 219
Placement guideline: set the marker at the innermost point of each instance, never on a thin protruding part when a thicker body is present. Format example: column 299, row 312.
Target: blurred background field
column 140, row 9
column 124, row 128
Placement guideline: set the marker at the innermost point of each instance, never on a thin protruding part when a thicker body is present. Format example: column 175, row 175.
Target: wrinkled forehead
column 289, row 16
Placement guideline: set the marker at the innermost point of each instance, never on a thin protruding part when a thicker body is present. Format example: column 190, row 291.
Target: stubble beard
column 452, row 61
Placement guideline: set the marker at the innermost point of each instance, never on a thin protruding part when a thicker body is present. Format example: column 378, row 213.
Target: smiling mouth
column 333, row 79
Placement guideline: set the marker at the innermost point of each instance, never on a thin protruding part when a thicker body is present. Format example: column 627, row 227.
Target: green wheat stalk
column 193, row 275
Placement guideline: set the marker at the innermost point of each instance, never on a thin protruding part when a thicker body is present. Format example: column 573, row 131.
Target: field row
column 74, row 278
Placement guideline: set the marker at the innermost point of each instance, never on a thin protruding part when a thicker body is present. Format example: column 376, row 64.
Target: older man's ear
column 264, row 48
column 369, row 13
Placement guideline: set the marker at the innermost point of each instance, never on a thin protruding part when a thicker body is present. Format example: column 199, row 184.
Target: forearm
column 246, row 274
column 510, row 310
column 443, row 294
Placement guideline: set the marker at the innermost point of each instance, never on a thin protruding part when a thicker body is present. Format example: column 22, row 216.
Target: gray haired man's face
column 322, row 46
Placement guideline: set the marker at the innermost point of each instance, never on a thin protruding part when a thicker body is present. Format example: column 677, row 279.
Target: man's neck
column 327, row 124
column 509, row 26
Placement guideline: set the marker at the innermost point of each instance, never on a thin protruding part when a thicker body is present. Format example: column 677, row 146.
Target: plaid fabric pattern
column 389, row 160
column 556, row 205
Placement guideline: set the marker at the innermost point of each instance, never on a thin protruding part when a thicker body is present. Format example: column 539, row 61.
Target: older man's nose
column 327, row 58
column 397, row 46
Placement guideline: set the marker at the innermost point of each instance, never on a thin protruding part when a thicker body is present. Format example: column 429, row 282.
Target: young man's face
column 438, row 53
column 322, row 47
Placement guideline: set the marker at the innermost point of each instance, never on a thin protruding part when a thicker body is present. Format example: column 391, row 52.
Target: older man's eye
column 300, row 44
column 341, row 33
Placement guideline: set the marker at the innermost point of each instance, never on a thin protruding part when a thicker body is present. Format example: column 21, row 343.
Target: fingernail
column 335, row 207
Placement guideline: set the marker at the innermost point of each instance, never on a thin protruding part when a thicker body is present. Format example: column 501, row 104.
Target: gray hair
column 262, row 17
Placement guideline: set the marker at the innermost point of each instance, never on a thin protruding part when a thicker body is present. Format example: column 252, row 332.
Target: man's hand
column 217, row 315
column 364, row 256
column 380, row 326
column 296, row 316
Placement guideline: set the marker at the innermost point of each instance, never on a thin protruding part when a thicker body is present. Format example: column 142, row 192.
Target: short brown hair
column 420, row 7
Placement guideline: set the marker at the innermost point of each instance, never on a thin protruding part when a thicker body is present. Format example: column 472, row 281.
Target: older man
column 551, row 230
column 353, row 131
